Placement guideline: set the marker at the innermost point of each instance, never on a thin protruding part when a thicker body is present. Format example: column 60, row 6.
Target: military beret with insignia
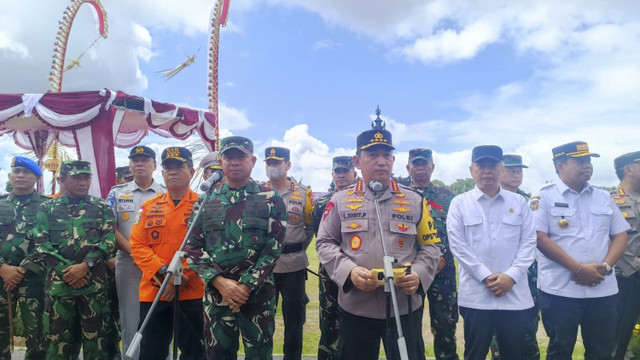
column 626, row 159
column 345, row 162
column 75, row 167
column 236, row 142
column 21, row 161
column 176, row 153
column 420, row 154
column 370, row 138
column 277, row 153
column 574, row 149
column 142, row 150
column 511, row 160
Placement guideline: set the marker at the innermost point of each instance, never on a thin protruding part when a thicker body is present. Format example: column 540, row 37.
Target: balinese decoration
column 219, row 17
column 93, row 122
column 64, row 29
column 169, row 73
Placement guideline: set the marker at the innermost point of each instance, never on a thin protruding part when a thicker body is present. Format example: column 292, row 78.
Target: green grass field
column 312, row 329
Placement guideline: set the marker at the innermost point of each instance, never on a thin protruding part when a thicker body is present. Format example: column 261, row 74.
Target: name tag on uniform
column 564, row 205
column 125, row 207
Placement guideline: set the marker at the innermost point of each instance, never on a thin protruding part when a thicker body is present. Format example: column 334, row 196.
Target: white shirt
column 490, row 236
column 593, row 217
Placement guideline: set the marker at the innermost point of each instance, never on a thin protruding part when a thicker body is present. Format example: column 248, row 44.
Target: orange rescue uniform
column 156, row 235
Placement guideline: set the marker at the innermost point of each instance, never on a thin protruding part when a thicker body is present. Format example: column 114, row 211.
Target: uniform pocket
column 256, row 230
column 601, row 218
column 403, row 236
column 473, row 228
column 511, row 227
column 354, row 232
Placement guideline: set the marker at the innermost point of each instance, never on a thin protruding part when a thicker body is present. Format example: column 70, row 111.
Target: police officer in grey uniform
column 349, row 247
column 125, row 200
column 290, row 270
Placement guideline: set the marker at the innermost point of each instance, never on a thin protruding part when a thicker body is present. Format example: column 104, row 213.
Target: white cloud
column 325, row 44
column 233, row 119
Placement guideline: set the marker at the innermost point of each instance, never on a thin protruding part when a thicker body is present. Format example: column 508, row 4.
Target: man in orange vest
column 157, row 233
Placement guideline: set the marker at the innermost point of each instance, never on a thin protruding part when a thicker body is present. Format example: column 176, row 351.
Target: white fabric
column 60, row 120
column 66, row 138
column 87, row 154
column 10, row 112
column 30, row 101
column 593, row 217
column 491, row 236
column 117, row 120
column 22, row 140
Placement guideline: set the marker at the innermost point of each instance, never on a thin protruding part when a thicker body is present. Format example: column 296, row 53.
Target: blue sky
column 308, row 74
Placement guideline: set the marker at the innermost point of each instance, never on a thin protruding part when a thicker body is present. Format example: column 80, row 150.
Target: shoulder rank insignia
column 402, row 209
column 350, row 192
column 394, row 186
column 354, row 207
column 354, row 200
column 401, row 202
column 621, row 192
column 403, row 227
column 354, row 226
column 359, row 186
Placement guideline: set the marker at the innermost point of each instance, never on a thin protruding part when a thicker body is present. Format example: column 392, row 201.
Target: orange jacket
column 156, row 235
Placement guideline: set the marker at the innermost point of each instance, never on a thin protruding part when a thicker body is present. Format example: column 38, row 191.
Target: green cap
column 75, row 167
column 236, row 142
column 345, row 162
column 511, row 160
column 421, row 153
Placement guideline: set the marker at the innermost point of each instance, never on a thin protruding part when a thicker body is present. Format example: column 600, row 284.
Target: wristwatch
column 162, row 270
column 89, row 263
column 608, row 267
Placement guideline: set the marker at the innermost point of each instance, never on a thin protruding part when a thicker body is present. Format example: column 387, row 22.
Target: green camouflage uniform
column 442, row 294
column 328, row 295
column 239, row 236
column 531, row 350
column 16, row 242
column 72, row 231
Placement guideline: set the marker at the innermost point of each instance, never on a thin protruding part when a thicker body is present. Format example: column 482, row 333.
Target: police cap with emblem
column 574, row 149
column 627, row 159
column 420, row 154
column 276, row 153
column 211, row 161
column 176, row 153
column 486, row 152
column 374, row 137
column 344, row 162
column 236, row 142
column 21, row 161
column 123, row 171
column 511, row 160
column 75, row 167
column 142, row 150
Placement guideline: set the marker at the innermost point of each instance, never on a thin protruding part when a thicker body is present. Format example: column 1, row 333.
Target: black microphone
column 375, row 186
column 212, row 180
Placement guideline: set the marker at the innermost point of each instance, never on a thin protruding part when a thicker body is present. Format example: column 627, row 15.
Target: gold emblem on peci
column 139, row 150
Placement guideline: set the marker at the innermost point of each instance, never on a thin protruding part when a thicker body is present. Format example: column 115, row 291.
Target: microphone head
column 375, row 186
column 215, row 177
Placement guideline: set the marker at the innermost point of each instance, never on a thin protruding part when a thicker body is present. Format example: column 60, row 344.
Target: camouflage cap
column 75, row 167
column 142, row 150
column 420, row 154
column 176, row 153
column 344, row 162
column 511, row 160
column 21, row 161
column 123, row 171
column 277, row 153
column 626, row 159
column 236, row 142
column 572, row 150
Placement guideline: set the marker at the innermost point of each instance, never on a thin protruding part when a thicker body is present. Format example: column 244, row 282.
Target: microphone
column 212, row 180
column 375, row 186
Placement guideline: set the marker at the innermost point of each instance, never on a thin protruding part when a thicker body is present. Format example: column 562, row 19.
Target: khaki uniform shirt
column 298, row 200
column 349, row 236
column 629, row 204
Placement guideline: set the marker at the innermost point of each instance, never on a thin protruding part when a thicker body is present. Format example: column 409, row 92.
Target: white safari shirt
column 490, row 236
column 593, row 217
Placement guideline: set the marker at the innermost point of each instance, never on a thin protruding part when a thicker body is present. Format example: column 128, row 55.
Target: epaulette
column 550, row 183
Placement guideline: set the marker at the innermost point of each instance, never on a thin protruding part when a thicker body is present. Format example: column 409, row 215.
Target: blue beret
column 20, row 161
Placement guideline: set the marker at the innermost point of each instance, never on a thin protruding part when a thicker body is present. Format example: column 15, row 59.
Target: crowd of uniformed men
column 84, row 271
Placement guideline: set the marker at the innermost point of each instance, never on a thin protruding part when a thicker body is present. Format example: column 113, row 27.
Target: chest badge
column 403, row 227
column 354, row 200
column 620, row 201
column 295, row 197
column 401, row 202
column 354, row 226
column 354, row 207
column 511, row 210
column 350, row 192
column 356, row 242
column 402, row 210
column 563, row 223
column 125, row 216
column 625, row 214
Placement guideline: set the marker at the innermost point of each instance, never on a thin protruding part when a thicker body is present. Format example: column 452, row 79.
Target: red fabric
column 73, row 102
column 9, row 100
column 102, row 134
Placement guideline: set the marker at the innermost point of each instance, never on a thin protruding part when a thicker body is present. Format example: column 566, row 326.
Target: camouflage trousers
column 78, row 321
column 256, row 323
column 443, row 311
column 531, row 350
column 112, row 318
column 31, row 309
column 328, row 346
